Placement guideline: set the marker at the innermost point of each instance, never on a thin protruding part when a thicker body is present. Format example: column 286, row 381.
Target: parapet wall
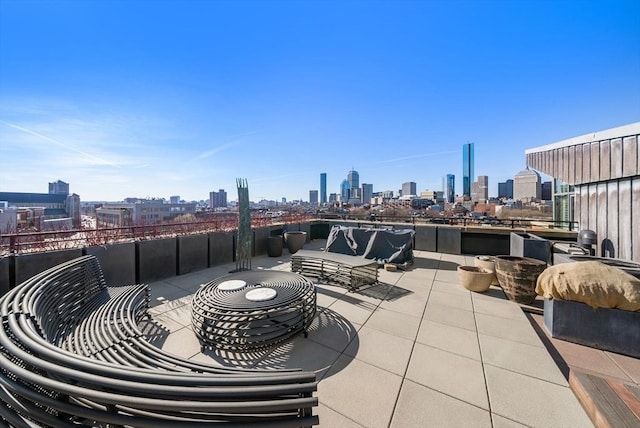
column 156, row 259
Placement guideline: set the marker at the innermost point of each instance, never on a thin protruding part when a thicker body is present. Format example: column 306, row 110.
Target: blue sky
column 159, row 98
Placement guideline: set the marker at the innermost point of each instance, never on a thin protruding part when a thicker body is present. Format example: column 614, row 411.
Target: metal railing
column 32, row 242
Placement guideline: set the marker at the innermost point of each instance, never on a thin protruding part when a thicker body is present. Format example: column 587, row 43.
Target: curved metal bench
column 352, row 271
column 71, row 353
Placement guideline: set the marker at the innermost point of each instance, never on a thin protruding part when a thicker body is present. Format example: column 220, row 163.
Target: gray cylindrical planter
column 518, row 277
column 295, row 240
column 274, row 246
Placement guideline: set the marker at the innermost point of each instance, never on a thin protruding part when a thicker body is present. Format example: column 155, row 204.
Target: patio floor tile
column 451, row 316
column 419, row 406
column 451, row 374
column 394, row 323
column 365, row 392
column 504, row 328
column 369, row 346
column 533, row 402
column 449, row 338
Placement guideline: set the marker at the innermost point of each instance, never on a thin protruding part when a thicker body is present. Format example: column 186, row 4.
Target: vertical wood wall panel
column 624, row 218
column 593, row 208
column 612, row 220
column 601, row 220
column 565, row 164
column 634, row 231
column 584, row 207
column 616, row 158
column 629, row 156
column 595, row 162
column 586, row 163
column 605, row 160
column 578, row 149
column 571, row 172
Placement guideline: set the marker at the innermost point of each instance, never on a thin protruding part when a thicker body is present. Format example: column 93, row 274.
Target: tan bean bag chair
column 594, row 283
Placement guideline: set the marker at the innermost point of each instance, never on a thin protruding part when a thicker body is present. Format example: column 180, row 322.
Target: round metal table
column 252, row 309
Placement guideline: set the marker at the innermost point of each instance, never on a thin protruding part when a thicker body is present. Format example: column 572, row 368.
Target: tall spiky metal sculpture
column 243, row 249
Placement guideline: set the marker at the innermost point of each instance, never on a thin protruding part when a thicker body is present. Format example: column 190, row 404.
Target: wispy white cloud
column 237, row 140
column 423, row 155
column 69, row 147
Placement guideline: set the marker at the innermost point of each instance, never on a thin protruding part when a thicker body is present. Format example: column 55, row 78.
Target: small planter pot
column 274, row 246
column 475, row 278
column 489, row 263
column 518, row 276
column 295, row 241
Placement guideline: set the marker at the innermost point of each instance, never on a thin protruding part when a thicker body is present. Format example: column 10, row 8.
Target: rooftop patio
column 415, row 350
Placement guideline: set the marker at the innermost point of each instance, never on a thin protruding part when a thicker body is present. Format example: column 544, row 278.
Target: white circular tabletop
column 261, row 294
column 231, row 285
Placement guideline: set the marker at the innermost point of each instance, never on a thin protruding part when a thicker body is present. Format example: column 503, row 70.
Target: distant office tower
column 333, row 198
column 483, row 188
column 546, row 191
column 323, row 188
column 345, row 191
column 409, row 188
column 367, row 193
column 174, row 199
column 218, row 199
column 450, row 189
column 59, row 188
column 526, row 185
column 505, row 190
column 467, row 168
column 284, row 201
column 313, row 197
column 354, row 179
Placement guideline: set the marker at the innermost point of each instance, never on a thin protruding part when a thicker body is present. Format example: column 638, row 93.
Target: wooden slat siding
column 556, row 164
column 612, row 217
column 601, row 220
column 584, row 206
column 634, row 232
column 578, row 174
column 586, row 163
column 635, row 391
column 605, row 160
column 629, row 156
column 623, row 391
column 571, row 171
column 595, row 162
column 565, row 164
column 616, row 158
column 592, row 216
column 625, row 224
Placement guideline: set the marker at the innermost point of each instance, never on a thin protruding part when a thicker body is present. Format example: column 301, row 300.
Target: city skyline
column 157, row 99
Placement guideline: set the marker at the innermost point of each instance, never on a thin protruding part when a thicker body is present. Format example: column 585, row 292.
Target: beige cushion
column 594, row 283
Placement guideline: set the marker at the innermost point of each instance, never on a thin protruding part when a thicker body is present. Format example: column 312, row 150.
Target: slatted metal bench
column 342, row 269
column 71, row 353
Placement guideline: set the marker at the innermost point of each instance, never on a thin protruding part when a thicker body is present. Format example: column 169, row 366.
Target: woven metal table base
column 226, row 319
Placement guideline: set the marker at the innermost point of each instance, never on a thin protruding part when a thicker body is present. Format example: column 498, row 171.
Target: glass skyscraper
column 323, row 188
column 468, row 174
column 450, row 190
column 345, row 191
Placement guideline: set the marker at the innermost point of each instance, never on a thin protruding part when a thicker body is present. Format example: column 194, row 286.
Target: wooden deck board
column 608, row 402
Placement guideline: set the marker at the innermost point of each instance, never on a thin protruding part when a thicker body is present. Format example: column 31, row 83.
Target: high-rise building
column 313, row 197
column 367, row 193
column 505, row 190
column 354, row 179
column 323, row 188
column 468, row 174
column 483, row 188
column 526, row 185
column 218, row 199
column 546, row 191
column 409, row 188
column 450, row 190
column 174, row 199
column 58, row 188
column 345, row 191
